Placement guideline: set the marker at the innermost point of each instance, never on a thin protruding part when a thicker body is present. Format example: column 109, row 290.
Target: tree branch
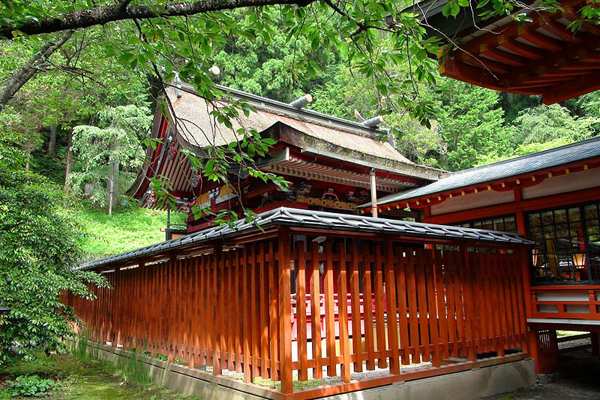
column 32, row 67
column 84, row 18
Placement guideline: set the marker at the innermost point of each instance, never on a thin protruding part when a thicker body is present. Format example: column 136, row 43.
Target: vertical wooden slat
column 264, row 326
column 329, row 310
column 217, row 367
column 496, row 313
column 368, row 308
column 222, row 307
column 502, row 301
column 422, row 303
column 238, row 309
column 484, row 292
column 520, row 301
column 315, row 300
column 392, row 320
column 285, row 310
column 473, row 287
column 413, row 312
column 204, row 311
column 400, row 272
column 505, row 325
column 441, row 296
column 512, row 282
column 274, row 312
column 467, row 279
column 480, row 306
column 182, row 301
column 254, row 319
column 432, row 307
column 379, row 309
column 301, row 310
column 508, row 304
column 246, row 312
column 195, row 311
column 231, row 320
column 343, row 314
column 451, row 302
column 356, row 315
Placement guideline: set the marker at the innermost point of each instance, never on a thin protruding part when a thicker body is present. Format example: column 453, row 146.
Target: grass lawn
column 82, row 379
column 125, row 230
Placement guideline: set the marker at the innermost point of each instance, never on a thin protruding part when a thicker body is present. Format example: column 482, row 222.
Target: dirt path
column 577, row 384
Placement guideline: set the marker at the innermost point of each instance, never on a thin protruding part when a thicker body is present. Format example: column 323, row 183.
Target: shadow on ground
column 581, row 383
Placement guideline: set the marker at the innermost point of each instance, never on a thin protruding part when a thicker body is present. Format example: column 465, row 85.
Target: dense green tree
column 110, row 153
column 552, row 124
column 471, row 123
column 275, row 66
column 39, row 243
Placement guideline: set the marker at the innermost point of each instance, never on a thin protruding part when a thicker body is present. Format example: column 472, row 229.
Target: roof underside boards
column 316, row 220
column 540, row 57
column 515, row 167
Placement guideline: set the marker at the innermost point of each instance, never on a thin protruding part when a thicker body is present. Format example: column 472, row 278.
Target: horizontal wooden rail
column 566, row 302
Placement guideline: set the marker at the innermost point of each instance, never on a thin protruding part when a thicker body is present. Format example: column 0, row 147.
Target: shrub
column 31, row 386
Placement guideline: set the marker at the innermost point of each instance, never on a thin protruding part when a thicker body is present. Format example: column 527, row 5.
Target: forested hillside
column 82, row 119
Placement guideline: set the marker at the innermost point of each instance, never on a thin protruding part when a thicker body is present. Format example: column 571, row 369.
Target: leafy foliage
column 31, row 386
column 553, row 123
column 39, row 242
column 116, row 140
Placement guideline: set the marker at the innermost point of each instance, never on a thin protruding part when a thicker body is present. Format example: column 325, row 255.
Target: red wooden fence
column 406, row 303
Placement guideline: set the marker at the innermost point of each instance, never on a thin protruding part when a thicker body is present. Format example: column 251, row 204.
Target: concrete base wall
column 467, row 385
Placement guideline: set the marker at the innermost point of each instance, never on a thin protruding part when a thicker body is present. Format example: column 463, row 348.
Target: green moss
column 85, row 379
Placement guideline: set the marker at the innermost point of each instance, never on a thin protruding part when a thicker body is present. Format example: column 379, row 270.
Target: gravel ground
column 581, row 383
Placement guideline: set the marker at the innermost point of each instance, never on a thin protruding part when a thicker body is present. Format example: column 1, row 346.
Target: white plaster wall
column 549, row 186
column 472, row 200
column 564, row 184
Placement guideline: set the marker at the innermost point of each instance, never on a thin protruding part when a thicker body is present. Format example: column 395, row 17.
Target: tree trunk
column 112, row 184
column 27, row 159
column 36, row 63
column 69, row 158
column 52, row 142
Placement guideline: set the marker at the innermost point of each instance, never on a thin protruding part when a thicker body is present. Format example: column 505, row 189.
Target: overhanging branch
column 84, row 18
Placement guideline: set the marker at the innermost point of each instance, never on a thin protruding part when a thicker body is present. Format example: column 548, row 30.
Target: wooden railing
column 566, row 302
column 234, row 310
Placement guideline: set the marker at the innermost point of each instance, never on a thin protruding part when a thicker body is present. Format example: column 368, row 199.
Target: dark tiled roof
column 317, row 220
column 503, row 169
column 4, row 310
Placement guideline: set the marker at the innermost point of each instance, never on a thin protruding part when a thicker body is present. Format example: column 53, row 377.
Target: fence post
column 390, row 288
column 285, row 310
column 217, row 282
column 531, row 338
column 468, row 281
